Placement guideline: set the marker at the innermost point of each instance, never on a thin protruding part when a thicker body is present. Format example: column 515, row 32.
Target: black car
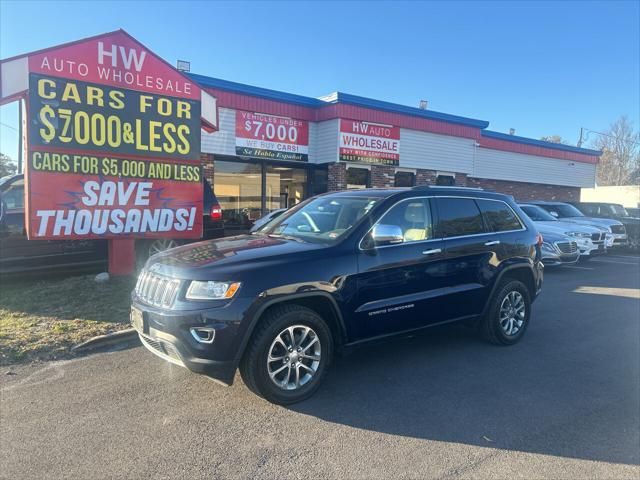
column 19, row 255
column 617, row 212
column 335, row 271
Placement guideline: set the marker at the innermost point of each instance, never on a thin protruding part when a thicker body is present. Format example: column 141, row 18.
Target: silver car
column 568, row 213
column 558, row 249
column 591, row 239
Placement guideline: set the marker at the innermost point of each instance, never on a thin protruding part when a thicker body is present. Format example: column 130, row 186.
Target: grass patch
column 42, row 320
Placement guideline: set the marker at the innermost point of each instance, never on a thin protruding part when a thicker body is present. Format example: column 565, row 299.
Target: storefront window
column 445, row 180
column 238, row 187
column 358, row 177
column 404, row 179
column 286, row 187
column 319, row 181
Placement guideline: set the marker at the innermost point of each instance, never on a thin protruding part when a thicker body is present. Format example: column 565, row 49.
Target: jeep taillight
column 216, row 212
column 539, row 240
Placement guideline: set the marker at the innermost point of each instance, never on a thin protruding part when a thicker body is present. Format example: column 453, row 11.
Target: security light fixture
column 183, row 66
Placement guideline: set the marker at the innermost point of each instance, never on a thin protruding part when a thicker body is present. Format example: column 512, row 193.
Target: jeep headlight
column 208, row 290
column 548, row 247
column 578, row 234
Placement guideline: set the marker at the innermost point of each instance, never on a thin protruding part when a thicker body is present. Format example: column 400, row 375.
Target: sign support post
column 122, row 256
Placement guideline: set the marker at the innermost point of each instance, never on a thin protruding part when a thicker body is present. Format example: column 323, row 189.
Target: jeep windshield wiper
column 286, row 237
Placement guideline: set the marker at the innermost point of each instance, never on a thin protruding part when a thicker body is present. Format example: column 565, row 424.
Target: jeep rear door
column 472, row 254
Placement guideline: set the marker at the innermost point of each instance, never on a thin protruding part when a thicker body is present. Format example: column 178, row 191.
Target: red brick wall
column 382, row 176
column 337, row 177
column 523, row 191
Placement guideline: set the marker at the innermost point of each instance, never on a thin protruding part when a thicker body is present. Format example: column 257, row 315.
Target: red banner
column 116, row 60
column 106, row 197
column 369, row 142
column 268, row 136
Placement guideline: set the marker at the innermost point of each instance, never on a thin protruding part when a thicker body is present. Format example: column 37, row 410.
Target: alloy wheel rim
column 294, row 357
column 512, row 313
column 160, row 245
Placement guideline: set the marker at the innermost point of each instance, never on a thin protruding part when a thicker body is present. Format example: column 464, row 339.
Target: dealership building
column 274, row 149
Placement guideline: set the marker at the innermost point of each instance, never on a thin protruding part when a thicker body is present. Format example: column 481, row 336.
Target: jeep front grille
column 567, row 247
column 157, row 290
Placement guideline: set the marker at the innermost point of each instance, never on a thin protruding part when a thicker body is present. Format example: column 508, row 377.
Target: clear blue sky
column 542, row 68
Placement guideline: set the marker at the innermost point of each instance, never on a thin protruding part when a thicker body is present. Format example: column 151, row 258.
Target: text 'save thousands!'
column 369, row 142
column 102, row 197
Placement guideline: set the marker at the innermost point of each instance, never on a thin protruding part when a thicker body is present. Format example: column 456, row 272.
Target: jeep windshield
column 324, row 219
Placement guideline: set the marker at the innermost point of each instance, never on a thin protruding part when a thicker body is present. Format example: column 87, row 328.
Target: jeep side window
column 413, row 216
column 458, row 217
column 499, row 216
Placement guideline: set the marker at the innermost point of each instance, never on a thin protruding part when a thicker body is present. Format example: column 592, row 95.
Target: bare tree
column 620, row 160
column 7, row 167
column 554, row 139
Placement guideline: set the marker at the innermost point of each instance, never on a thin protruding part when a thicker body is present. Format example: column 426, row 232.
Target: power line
column 9, row 126
column 588, row 131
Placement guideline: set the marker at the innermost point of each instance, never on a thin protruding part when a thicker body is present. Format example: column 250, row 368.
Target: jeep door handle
column 432, row 252
column 492, row 242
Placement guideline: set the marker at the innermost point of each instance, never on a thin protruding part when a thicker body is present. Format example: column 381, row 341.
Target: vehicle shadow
column 563, row 391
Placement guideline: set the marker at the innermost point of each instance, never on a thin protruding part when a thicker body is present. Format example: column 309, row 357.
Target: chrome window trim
column 428, row 197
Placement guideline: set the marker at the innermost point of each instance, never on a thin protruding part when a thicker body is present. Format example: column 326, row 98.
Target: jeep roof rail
column 444, row 187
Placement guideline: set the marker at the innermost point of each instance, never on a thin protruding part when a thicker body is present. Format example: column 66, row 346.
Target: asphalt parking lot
column 564, row 403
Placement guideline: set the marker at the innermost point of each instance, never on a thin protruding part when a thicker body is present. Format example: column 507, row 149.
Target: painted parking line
column 615, row 261
column 614, row 292
column 576, row 267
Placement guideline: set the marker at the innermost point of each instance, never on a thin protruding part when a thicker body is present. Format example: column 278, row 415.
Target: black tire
column 490, row 327
column 145, row 248
column 253, row 366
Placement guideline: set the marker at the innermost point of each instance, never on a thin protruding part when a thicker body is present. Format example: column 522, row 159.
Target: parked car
column 558, row 249
column 634, row 212
column 589, row 238
column 19, row 255
column 617, row 212
column 262, row 221
column 333, row 272
column 569, row 213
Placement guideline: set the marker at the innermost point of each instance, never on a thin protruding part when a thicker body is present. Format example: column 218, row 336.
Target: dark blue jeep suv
column 338, row 270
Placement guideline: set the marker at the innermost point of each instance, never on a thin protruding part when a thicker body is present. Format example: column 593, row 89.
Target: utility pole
column 20, row 135
column 581, row 136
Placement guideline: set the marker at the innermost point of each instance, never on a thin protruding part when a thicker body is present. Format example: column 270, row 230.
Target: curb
column 110, row 339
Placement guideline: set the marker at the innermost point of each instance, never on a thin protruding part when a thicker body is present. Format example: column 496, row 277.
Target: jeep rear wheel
column 288, row 355
column 507, row 317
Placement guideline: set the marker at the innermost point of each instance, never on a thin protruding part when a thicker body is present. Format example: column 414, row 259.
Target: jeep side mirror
column 553, row 214
column 386, row 235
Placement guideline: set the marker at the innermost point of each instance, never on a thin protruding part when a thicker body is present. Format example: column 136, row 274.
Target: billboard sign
column 113, row 143
column 369, row 142
column 273, row 137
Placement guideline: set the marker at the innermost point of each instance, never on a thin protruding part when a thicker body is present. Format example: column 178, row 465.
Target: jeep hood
column 229, row 253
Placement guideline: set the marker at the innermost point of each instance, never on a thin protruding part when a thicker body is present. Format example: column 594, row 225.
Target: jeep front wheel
column 288, row 355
